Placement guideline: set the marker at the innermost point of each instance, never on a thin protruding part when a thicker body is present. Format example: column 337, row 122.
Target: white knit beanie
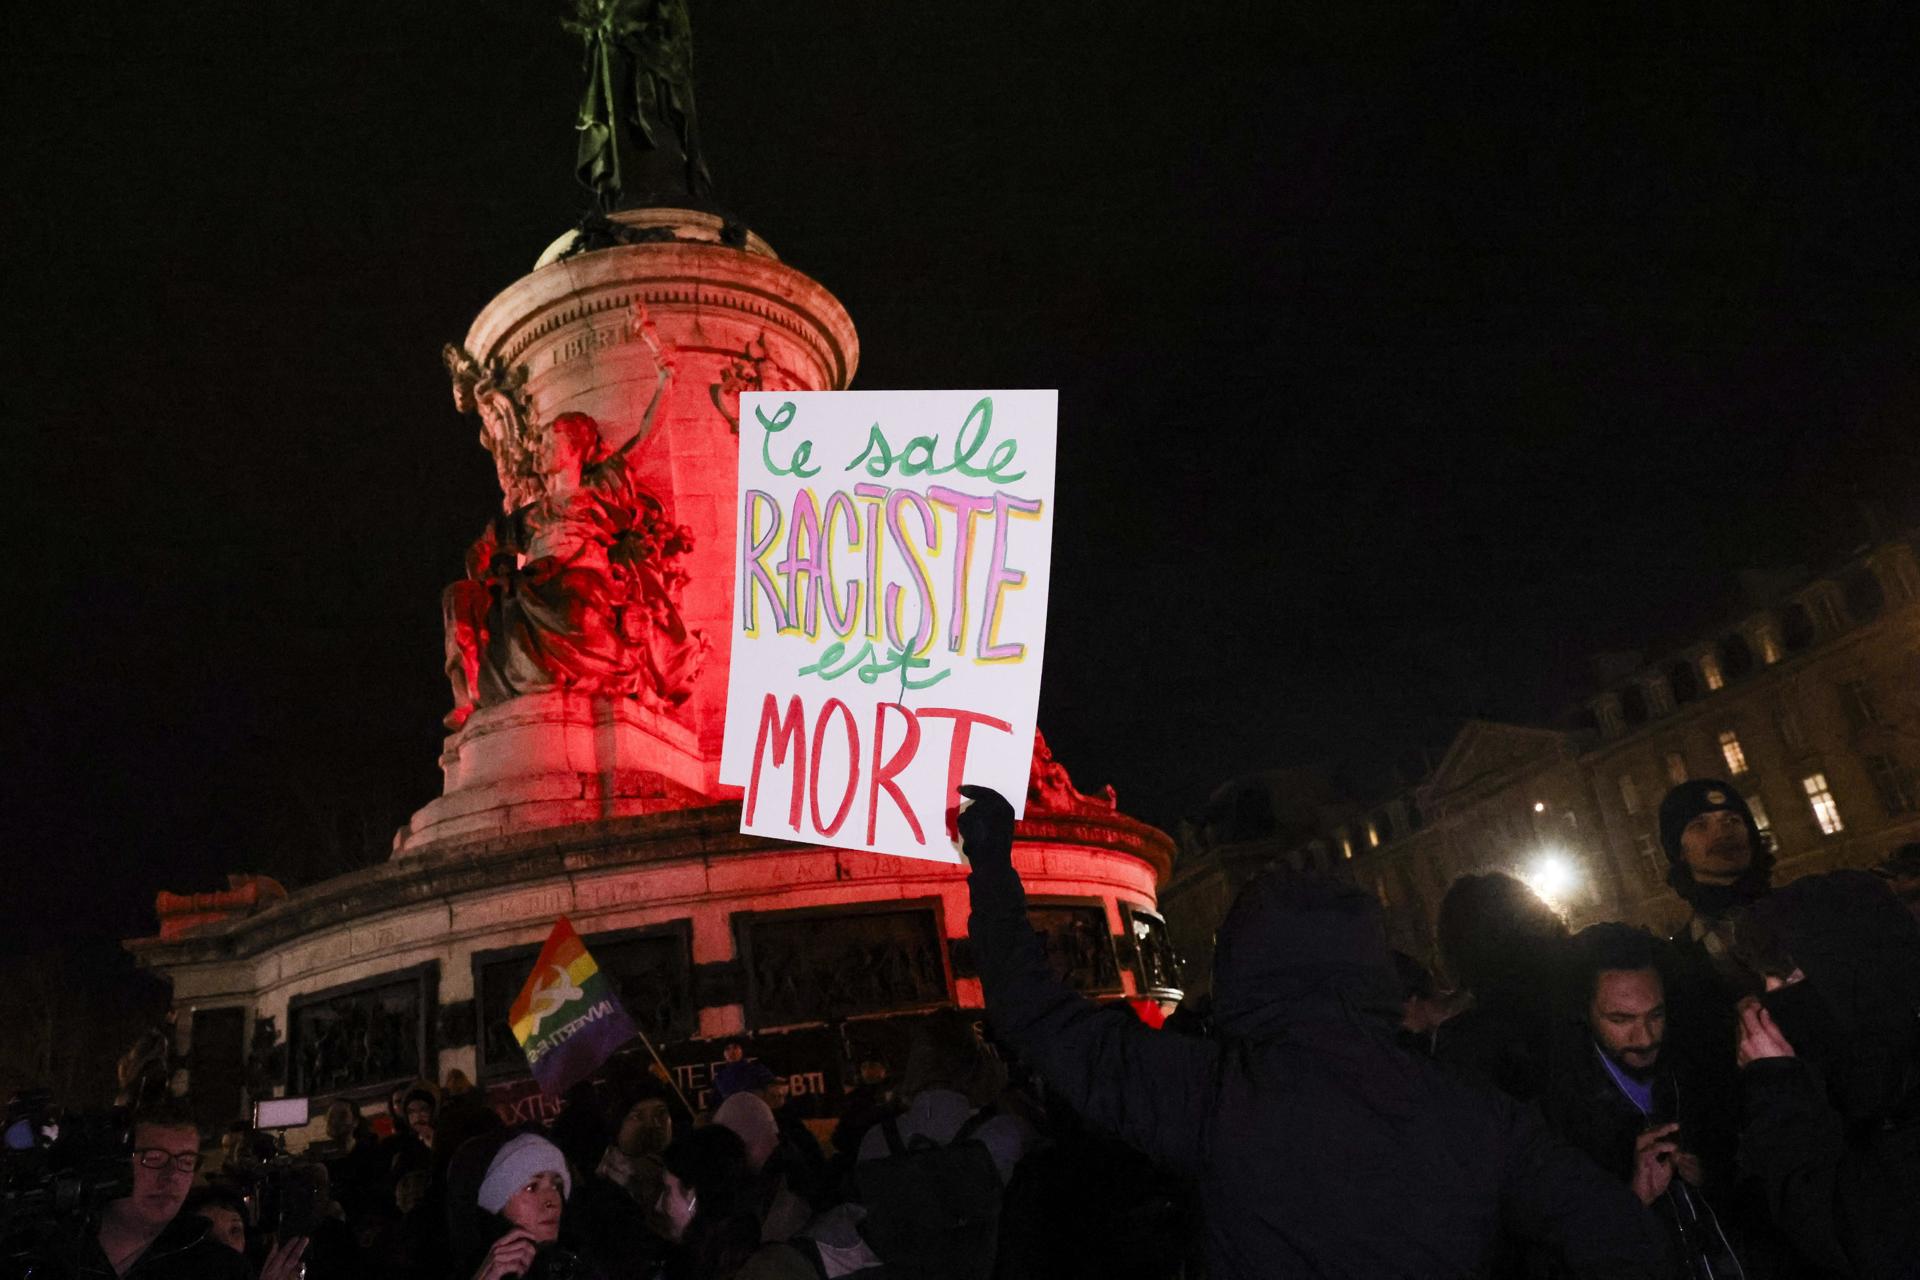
column 753, row 1120
column 519, row 1161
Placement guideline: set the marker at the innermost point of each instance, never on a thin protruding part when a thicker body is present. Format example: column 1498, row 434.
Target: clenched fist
column 986, row 828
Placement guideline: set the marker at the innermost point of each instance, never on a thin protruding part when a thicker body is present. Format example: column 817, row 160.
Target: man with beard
column 1720, row 861
column 1618, row 1095
column 1315, row 1144
column 1830, row 1064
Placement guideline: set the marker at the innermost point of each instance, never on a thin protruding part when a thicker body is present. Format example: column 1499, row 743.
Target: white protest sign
column 889, row 610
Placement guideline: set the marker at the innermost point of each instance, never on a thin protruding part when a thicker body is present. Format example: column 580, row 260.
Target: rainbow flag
column 567, row 1018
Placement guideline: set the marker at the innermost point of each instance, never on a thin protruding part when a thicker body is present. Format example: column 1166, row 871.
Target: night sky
column 1408, row 355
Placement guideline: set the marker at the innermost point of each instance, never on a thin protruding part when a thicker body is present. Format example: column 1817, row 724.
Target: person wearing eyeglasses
column 143, row 1235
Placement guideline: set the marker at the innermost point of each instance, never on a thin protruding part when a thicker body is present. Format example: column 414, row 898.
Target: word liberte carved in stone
column 576, row 584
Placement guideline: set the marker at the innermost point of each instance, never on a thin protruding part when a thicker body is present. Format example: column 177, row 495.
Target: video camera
column 56, row 1166
column 56, row 1172
column 286, row 1194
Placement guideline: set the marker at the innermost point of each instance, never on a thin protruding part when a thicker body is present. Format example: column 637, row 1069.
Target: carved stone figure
column 753, row 369
column 1051, row 790
column 577, row 587
column 266, row 1059
column 144, row 1070
column 498, row 395
column 639, row 134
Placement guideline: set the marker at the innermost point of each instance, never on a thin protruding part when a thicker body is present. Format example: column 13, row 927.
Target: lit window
column 1373, row 836
column 1769, row 644
column 1730, row 748
column 1676, row 768
column 1893, row 782
column 1710, row 671
column 1759, row 811
column 1825, row 811
column 1346, row 847
column 1629, row 794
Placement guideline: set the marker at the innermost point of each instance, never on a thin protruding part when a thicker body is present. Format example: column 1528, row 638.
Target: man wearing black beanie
column 1719, row 861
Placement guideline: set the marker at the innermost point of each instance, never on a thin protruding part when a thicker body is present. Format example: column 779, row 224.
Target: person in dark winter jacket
column 1618, row 1094
column 1830, row 1061
column 145, row 1235
column 1718, row 862
column 1507, row 948
column 1318, row 1145
column 1902, row 874
column 506, row 1199
column 352, row 1156
column 714, row 1210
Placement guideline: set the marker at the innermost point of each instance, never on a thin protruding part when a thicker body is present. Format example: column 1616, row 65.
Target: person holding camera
column 145, row 1236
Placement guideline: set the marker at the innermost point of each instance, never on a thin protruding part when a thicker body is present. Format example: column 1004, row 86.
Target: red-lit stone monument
column 587, row 649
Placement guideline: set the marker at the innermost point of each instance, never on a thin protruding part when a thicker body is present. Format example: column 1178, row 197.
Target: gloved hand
column 986, row 828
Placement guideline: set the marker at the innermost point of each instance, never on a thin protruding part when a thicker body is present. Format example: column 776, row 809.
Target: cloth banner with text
column 568, row 1018
column 889, row 610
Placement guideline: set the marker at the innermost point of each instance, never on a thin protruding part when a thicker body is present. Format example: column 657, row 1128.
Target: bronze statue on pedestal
column 578, row 585
column 639, row 133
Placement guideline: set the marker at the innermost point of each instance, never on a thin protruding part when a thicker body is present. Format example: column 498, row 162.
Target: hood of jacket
column 1298, row 950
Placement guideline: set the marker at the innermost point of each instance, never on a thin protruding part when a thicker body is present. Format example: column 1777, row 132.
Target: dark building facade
column 1808, row 703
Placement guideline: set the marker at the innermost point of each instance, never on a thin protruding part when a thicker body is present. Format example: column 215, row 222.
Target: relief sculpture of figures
column 578, row 585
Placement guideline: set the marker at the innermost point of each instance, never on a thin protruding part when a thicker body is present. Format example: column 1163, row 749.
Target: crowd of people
column 1741, row 1100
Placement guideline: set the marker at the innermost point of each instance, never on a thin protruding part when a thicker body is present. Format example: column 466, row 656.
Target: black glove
column 986, row 828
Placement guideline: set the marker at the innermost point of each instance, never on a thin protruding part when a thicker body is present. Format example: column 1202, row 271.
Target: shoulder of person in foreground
column 1152, row 1087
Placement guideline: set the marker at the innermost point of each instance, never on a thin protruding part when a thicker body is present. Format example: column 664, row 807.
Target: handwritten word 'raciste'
column 804, row 589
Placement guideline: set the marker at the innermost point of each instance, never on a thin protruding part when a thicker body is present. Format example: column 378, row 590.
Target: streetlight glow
column 1554, row 877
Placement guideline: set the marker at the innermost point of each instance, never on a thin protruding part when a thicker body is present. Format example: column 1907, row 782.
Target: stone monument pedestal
column 554, row 759
column 654, row 338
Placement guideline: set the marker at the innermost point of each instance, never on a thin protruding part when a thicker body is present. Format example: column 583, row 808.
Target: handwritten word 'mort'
column 915, row 458
column 786, row 737
column 801, row 590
